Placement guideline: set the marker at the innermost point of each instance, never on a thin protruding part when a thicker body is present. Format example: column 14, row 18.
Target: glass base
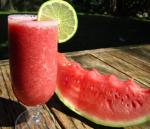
column 35, row 118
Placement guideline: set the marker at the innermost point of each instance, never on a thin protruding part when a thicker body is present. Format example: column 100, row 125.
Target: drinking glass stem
column 36, row 116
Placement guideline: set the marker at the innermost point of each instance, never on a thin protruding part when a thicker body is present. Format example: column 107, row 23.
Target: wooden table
column 125, row 62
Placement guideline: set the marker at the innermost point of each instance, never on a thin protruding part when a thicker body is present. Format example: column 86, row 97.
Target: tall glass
column 33, row 68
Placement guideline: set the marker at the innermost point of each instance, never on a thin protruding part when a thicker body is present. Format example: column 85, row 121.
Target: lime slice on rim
column 64, row 13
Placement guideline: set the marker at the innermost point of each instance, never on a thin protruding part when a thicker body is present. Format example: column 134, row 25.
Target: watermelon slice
column 103, row 99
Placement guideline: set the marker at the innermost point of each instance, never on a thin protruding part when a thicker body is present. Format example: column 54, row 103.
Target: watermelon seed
column 116, row 96
column 127, row 96
column 127, row 105
column 141, row 104
column 122, row 100
column 135, row 104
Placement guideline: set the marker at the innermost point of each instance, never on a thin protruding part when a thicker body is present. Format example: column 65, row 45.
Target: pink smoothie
column 33, row 48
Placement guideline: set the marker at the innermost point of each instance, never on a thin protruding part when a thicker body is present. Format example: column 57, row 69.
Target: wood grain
column 124, row 62
column 136, row 73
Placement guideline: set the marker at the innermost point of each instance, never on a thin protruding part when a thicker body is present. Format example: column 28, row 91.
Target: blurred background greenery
column 134, row 8
column 102, row 23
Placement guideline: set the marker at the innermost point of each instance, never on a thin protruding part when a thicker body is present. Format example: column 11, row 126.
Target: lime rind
column 65, row 14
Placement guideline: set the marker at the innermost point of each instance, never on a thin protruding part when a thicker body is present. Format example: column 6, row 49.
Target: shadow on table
column 54, row 102
column 9, row 111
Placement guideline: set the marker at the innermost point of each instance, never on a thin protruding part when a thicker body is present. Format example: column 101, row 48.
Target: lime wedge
column 64, row 13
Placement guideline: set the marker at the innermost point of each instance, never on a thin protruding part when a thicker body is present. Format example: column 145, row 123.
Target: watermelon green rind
column 76, row 100
column 100, row 121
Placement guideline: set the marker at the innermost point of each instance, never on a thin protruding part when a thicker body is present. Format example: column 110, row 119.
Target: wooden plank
column 16, row 106
column 4, row 93
column 90, row 62
column 142, row 126
column 64, row 115
column 105, row 62
column 130, row 47
column 70, row 120
column 144, row 46
column 140, row 53
column 8, row 83
column 50, row 116
column 11, row 108
column 126, row 68
column 64, row 120
column 4, row 62
column 137, row 62
column 7, row 117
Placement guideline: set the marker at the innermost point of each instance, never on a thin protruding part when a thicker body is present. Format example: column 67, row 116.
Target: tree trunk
column 3, row 4
column 11, row 6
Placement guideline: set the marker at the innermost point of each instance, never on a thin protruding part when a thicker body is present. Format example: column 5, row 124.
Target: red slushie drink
column 33, row 48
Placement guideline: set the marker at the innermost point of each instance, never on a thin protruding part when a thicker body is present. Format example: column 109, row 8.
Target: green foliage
column 20, row 5
column 139, row 8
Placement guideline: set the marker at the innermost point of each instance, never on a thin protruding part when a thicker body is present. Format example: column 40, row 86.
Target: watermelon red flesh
column 105, row 98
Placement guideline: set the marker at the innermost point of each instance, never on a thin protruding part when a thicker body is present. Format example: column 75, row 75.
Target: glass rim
column 30, row 19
